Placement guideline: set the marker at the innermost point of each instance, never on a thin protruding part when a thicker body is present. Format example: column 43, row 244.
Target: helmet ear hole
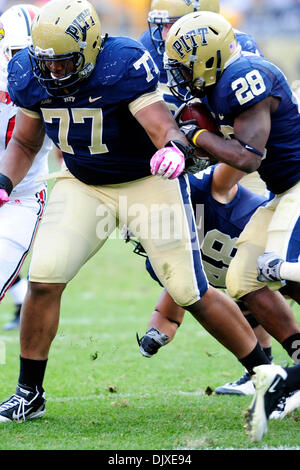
column 209, row 63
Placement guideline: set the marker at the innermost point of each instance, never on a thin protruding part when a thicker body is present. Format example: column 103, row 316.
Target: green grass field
column 102, row 394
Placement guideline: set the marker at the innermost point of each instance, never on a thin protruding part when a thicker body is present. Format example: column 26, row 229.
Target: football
column 200, row 113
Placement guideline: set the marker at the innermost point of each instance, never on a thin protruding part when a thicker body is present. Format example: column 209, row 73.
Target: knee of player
column 187, row 294
column 41, row 289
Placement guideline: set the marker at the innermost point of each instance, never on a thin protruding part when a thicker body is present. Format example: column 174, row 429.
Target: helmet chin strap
column 219, row 69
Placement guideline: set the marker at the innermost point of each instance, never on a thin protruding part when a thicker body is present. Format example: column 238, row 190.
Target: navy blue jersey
column 246, row 41
column 101, row 141
column 219, row 225
column 245, row 82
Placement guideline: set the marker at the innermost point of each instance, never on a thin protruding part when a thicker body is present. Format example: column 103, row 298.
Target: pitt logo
column 191, row 40
column 79, row 26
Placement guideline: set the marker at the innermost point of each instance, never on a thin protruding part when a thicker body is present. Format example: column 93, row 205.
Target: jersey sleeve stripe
column 145, row 100
column 30, row 113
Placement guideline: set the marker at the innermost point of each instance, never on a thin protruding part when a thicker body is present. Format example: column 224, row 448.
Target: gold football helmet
column 198, row 48
column 164, row 12
column 69, row 31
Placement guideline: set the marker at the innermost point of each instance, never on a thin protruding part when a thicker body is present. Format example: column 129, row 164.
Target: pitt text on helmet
column 79, row 26
column 182, row 43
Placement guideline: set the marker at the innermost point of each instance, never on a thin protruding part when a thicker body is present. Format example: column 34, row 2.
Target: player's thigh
column 18, row 224
column 241, row 276
column 163, row 220
column 68, row 234
column 254, row 183
column 284, row 228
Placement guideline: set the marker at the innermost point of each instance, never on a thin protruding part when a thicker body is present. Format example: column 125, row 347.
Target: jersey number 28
column 249, row 86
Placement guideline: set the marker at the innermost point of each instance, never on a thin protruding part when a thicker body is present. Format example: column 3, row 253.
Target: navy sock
column 292, row 382
column 291, row 345
column 257, row 357
column 32, row 372
column 268, row 353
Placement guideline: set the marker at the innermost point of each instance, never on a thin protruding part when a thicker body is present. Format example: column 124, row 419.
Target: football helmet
column 198, row 49
column 69, row 32
column 15, row 27
column 164, row 12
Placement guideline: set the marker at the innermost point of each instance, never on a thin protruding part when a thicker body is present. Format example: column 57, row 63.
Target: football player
column 96, row 97
column 222, row 209
column 162, row 15
column 20, row 217
column 254, row 105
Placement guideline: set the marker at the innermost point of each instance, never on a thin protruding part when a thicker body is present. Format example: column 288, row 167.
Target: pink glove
column 168, row 162
column 3, row 197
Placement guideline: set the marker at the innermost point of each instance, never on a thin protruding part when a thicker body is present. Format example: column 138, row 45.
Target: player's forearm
column 163, row 134
column 229, row 151
column 159, row 124
column 16, row 161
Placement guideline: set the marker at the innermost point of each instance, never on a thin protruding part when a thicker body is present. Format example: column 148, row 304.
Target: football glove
column 189, row 129
column 3, row 197
column 6, row 188
column 168, row 162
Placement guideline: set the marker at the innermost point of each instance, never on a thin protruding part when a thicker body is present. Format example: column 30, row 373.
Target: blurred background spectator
column 275, row 24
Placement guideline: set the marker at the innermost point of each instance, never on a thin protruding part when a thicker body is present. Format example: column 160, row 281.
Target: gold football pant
column 79, row 218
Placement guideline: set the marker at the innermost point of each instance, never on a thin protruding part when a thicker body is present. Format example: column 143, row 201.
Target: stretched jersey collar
column 234, row 57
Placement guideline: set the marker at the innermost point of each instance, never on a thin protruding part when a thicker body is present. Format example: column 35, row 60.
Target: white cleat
column 286, row 406
column 269, row 384
column 242, row 386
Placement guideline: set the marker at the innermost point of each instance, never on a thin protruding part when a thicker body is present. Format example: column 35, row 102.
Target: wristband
column 185, row 149
column 251, row 149
column 6, row 183
column 196, row 135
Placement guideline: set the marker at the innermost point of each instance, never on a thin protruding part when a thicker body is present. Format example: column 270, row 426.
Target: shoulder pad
column 114, row 61
column 22, row 86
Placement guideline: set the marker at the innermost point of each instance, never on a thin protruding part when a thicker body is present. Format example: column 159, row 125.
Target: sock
column 290, row 271
column 257, row 357
column 32, row 372
column 251, row 320
column 268, row 353
column 291, row 345
column 292, row 382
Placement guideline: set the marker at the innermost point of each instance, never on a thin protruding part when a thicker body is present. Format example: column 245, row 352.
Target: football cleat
column 286, row 405
column 269, row 381
column 25, row 404
column 243, row 386
column 151, row 342
column 268, row 267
